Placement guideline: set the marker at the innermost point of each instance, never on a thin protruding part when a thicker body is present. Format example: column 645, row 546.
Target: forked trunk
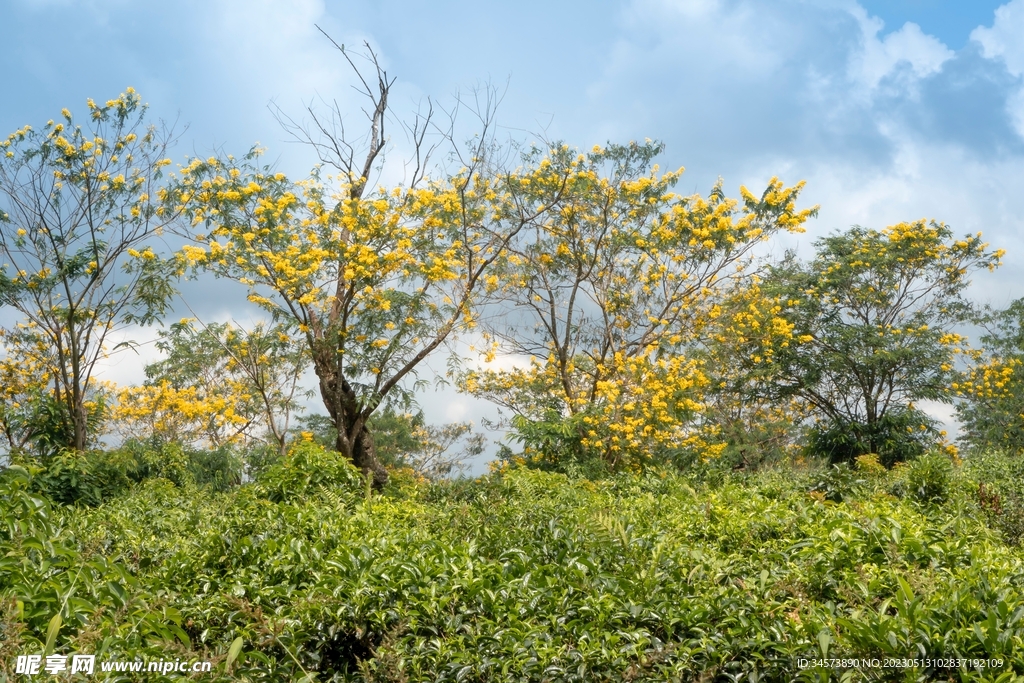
column 364, row 455
column 354, row 440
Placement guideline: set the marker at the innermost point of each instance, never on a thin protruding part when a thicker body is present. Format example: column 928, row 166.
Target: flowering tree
column 751, row 426
column 77, row 208
column 605, row 298
column 25, row 380
column 874, row 318
column 991, row 409
column 217, row 384
column 374, row 284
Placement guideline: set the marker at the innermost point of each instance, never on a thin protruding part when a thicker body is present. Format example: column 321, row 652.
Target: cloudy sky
column 891, row 110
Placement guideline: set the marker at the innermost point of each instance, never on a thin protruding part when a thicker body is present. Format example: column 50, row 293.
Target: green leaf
column 236, row 647
column 824, row 640
column 906, row 592
column 51, row 633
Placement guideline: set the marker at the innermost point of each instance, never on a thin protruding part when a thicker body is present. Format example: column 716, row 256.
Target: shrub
column 307, row 469
column 837, row 483
column 92, row 477
column 928, row 478
column 76, row 478
column 869, row 465
column 219, row 468
column 157, row 458
column 999, row 480
column 896, row 437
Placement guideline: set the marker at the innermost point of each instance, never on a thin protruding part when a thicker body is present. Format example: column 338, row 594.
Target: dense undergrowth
column 527, row 575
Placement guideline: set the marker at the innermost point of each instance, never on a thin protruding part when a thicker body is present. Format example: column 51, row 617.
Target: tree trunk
column 80, row 421
column 364, row 455
column 354, row 438
column 74, row 404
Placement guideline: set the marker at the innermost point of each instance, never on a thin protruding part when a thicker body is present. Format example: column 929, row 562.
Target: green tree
column 991, row 411
column 78, row 204
column 873, row 320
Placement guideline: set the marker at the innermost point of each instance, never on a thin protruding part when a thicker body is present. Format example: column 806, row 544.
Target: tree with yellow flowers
column 24, row 389
column 375, row 281
column 604, row 300
column 78, row 211
column 752, row 426
column 217, row 384
column 991, row 389
column 874, row 318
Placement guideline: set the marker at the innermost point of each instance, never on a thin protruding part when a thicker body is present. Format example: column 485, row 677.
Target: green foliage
column 404, row 439
column 555, row 443
column 838, row 483
column 929, row 477
column 873, row 318
column 218, row 468
column 897, row 436
column 309, row 468
column 92, row 477
column 1000, row 491
column 394, row 434
column 82, row 478
column 37, row 423
column 41, row 423
column 525, row 576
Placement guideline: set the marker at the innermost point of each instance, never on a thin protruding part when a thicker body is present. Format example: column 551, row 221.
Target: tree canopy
column 874, row 321
column 79, row 207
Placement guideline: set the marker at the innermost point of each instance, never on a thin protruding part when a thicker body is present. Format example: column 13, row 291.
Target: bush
column 93, row 477
column 928, row 478
column 258, row 457
column 838, row 483
column 89, row 478
column 998, row 478
column 219, row 469
column 897, row 437
column 157, row 458
column 307, row 469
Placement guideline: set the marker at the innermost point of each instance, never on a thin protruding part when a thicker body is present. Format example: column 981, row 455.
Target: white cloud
column 1003, row 41
column 126, row 365
column 273, row 47
column 925, row 180
column 907, row 47
column 734, row 36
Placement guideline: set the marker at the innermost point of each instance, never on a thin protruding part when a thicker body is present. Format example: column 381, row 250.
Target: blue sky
column 890, row 109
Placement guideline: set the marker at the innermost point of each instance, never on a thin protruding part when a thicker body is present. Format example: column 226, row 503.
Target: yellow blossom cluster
column 180, row 414
column 25, row 369
column 372, row 282
column 991, row 379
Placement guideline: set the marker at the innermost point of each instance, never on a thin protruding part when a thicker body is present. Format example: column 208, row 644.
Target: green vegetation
column 527, row 575
column 716, row 470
